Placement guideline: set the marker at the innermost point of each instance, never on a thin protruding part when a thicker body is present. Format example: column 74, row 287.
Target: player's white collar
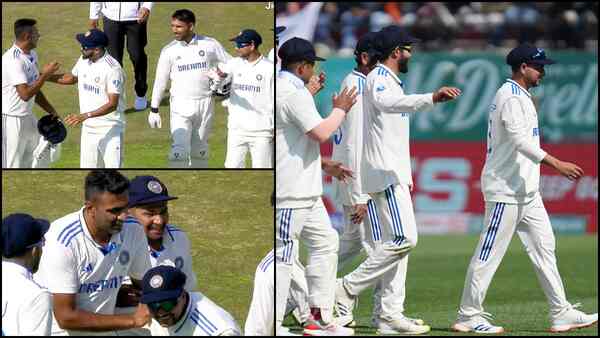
column 188, row 312
column 359, row 74
column 260, row 57
column 195, row 38
column 116, row 238
column 518, row 85
column 394, row 76
column 293, row 78
column 16, row 268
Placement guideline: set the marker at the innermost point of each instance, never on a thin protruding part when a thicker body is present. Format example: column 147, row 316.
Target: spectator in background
column 326, row 27
column 354, row 22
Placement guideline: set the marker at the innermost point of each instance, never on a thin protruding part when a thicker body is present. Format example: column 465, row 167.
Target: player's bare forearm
column 568, row 170
column 107, row 108
column 63, row 79
column 41, row 101
column 26, row 92
column 88, row 321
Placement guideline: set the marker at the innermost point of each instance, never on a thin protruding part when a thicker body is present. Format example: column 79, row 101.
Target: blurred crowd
column 458, row 25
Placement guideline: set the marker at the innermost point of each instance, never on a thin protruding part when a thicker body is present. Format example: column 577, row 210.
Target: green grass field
column 226, row 214
column 436, row 272
column 144, row 147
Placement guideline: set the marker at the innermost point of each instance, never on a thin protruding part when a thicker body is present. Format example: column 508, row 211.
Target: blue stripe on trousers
column 284, row 234
column 492, row 231
column 375, row 227
column 394, row 212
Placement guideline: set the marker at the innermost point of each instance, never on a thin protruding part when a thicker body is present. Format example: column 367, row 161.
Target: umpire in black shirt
column 127, row 19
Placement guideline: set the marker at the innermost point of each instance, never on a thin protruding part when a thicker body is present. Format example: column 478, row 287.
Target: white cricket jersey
column 175, row 252
column 271, row 55
column 26, row 306
column 73, row 263
column 251, row 99
column 187, row 65
column 347, row 144
column 118, row 11
column 202, row 318
column 386, row 154
column 298, row 161
column 261, row 316
column 95, row 80
column 18, row 68
column 511, row 173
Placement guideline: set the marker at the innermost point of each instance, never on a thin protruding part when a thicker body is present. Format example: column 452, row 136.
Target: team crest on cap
column 258, row 77
column 179, row 262
column 156, row 281
column 88, row 33
column 201, row 53
column 124, row 257
column 155, row 187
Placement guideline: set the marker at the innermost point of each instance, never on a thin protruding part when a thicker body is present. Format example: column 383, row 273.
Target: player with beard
column 386, row 177
column 87, row 256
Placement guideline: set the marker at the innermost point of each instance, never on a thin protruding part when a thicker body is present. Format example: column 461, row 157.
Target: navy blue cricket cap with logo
column 247, row 36
column 297, row 49
column 146, row 190
column 21, row 232
column 366, row 44
column 161, row 283
column 527, row 53
column 390, row 37
column 92, row 39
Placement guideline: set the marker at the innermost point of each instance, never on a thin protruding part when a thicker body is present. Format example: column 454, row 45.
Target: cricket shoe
column 347, row 321
column 573, row 319
column 477, row 324
column 318, row 328
column 400, row 325
column 345, row 304
column 417, row 321
column 140, row 103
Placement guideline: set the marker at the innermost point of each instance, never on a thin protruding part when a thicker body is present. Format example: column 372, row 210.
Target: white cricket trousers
column 261, row 319
column 388, row 262
column 20, row 137
column 260, row 148
column 298, row 295
column 101, row 147
column 191, row 125
column 313, row 226
column 532, row 224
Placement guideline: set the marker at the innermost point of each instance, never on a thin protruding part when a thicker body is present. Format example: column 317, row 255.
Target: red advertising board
column 447, row 180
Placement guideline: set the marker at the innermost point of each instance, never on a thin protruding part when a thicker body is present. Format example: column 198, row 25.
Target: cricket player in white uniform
column 167, row 244
column 261, row 319
column 273, row 52
column 300, row 209
column 186, row 62
column 510, row 185
column 250, row 122
column 177, row 312
column 386, row 177
column 21, row 87
column 26, row 306
column 100, row 82
column 87, row 256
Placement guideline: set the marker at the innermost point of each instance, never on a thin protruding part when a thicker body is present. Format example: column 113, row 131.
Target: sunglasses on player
column 242, row 44
column 167, row 305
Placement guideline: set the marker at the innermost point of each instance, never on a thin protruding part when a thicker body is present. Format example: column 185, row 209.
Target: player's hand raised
column 316, row 83
column 446, row 94
column 346, row 99
column 50, row 68
column 141, row 316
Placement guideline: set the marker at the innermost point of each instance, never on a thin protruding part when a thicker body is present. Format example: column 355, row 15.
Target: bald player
column 510, row 185
column 87, row 256
column 186, row 62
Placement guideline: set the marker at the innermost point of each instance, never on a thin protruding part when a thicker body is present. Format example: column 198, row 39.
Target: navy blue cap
column 161, row 283
column 92, row 38
column 526, row 53
column 52, row 129
column 391, row 37
column 367, row 44
column 247, row 36
column 297, row 49
column 146, row 190
column 21, row 232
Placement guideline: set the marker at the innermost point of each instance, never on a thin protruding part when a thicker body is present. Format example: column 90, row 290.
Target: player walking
column 300, row 210
column 386, row 177
column 100, row 81
column 88, row 254
column 186, row 61
column 177, row 312
column 21, row 87
column 26, row 306
column 510, row 185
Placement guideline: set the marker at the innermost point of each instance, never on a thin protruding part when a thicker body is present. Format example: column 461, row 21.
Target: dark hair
column 99, row 181
column 515, row 68
column 184, row 15
column 24, row 26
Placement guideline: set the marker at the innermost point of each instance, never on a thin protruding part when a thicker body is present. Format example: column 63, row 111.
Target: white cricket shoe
column 140, row 103
column 416, row 321
column 317, row 328
column 400, row 325
column 573, row 319
column 347, row 321
column 344, row 304
column 477, row 324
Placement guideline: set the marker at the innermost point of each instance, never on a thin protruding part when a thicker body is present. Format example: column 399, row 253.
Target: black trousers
column 137, row 38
